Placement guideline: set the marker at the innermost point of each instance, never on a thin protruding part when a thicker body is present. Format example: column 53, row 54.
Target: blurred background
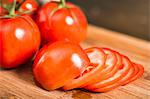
column 127, row 16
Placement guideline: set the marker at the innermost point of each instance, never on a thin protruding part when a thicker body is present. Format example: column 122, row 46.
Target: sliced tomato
column 119, row 60
column 109, row 69
column 58, row 63
column 114, row 70
column 97, row 57
column 133, row 74
column 97, row 87
column 139, row 70
column 120, row 82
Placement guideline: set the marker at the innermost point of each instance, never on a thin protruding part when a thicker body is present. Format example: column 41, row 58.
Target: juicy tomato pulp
column 110, row 67
column 114, row 79
column 58, row 63
column 138, row 72
column 19, row 40
column 68, row 24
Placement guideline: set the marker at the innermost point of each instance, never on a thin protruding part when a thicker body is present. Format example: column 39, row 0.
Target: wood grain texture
column 19, row 83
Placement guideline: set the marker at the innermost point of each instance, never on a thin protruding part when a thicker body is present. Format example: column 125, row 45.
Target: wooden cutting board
column 19, row 83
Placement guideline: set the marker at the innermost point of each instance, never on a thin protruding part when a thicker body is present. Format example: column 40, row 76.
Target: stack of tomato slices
column 107, row 70
column 94, row 69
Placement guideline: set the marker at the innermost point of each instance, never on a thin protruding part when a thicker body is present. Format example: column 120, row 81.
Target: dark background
column 126, row 16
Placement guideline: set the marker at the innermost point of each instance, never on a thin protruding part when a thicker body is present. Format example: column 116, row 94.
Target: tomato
column 19, row 40
column 118, row 83
column 57, row 22
column 106, row 69
column 22, row 6
column 97, row 58
column 98, row 87
column 28, row 5
column 138, row 72
column 58, row 63
column 109, row 66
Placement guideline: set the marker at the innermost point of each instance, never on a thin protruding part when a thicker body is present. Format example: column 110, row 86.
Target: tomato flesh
column 107, row 74
column 118, row 83
column 115, row 78
column 139, row 70
column 109, row 66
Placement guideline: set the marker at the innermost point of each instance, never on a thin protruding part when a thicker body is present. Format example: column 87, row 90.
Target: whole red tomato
column 59, row 22
column 19, row 40
column 56, row 64
column 28, row 5
column 22, row 6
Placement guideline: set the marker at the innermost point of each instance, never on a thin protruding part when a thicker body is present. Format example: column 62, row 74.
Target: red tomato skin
column 30, row 5
column 57, row 63
column 3, row 11
column 67, row 24
column 19, row 40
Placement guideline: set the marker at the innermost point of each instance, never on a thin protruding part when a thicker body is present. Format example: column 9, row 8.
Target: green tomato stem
column 12, row 9
column 63, row 2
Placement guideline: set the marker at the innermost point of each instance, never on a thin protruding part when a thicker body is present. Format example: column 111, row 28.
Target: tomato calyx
column 61, row 4
column 13, row 9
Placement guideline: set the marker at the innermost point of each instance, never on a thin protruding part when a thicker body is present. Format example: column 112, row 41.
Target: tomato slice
column 119, row 60
column 109, row 69
column 97, row 87
column 134, row 73
column 139, row 70
column 115, row 69
column 120, row 82
column 97, row 57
